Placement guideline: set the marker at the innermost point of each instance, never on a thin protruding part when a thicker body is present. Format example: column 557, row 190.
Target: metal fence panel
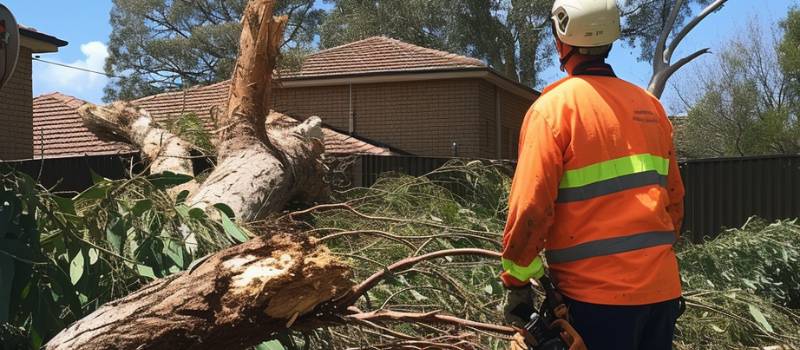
column 724, row 193
column 74, row 174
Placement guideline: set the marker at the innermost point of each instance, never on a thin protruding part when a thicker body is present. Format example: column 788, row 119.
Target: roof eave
column 411, row 75
column 39, row 42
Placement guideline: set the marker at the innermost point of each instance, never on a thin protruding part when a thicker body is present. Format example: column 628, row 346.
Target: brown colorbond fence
column 724, row 193
column 73, row 174
column 720, row 193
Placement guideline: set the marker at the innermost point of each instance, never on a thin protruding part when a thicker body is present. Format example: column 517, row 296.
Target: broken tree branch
column 127, row 123
column 429, row 317
column 373, row 280
column 236, row 298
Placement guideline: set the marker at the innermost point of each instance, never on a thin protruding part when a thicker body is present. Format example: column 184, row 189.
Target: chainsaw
column 549, row 328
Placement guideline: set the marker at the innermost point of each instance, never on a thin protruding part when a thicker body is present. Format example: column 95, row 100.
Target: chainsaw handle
column 569, row 335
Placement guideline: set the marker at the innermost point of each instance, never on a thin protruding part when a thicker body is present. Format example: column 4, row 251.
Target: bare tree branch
column 659, row 59
column 429, row 317
column 370, row 282
column 662, row 68
column 678, row 38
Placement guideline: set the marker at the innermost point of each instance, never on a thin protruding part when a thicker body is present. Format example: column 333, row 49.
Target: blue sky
column 84, row 24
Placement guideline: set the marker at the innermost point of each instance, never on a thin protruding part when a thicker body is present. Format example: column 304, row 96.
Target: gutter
column 484, row 73
column 39, row 42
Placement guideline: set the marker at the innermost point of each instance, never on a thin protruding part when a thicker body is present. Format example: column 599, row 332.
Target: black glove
column 519, row 305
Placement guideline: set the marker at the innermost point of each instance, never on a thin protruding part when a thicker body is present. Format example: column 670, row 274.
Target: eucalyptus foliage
column 511, row 36
column 747, row 99
column 159, row 45
column 61, row 258
column 743, row 288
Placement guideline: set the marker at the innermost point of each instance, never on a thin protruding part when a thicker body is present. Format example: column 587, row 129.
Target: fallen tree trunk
column 234, row 299
column 258, row 170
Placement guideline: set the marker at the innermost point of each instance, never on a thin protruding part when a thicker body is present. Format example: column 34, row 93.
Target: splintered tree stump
column 234, row 299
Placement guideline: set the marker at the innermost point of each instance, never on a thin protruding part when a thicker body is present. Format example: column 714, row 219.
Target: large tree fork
column 663, row 68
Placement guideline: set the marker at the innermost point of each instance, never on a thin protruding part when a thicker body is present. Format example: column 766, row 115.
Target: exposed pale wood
column 234, row 299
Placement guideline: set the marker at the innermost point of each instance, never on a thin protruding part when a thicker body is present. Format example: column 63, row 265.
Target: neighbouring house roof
column 208, row 102
column 39, row 42
column 58, row 130
column 380, row 59
column 380, row 54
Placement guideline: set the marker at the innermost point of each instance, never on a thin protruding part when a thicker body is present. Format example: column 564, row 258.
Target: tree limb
column 429, row 317
column 678, row 38
column 659, row 59
column 373, row 280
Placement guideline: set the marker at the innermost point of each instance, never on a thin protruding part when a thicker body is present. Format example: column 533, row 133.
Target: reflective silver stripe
column 609, row 186
column 610, row 246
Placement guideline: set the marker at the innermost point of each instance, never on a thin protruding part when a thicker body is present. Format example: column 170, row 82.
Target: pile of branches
column 741, row 288
column 422, row 255
column 460, row 206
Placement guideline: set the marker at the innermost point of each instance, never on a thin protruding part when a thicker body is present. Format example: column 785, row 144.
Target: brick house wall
column 513, row 110
column 423, row 118
column 16, row 111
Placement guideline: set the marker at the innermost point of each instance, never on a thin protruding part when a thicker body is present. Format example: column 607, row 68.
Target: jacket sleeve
column 675, row 188
column 531, row 206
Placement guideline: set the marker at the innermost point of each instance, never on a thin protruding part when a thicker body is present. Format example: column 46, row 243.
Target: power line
column 36, row 58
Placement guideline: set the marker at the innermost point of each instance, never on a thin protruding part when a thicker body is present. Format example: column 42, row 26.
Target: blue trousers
column 613, row 327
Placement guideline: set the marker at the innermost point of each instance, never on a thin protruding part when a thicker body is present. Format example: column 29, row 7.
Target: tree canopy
column 748, row 98
column 159, row 45
column 507, row 34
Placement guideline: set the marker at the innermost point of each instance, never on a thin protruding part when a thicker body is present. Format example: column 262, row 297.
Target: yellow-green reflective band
column 534, row 270
column 614, row 168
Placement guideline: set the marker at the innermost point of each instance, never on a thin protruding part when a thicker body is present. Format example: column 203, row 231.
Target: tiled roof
column 58, row 128
column 380, row 54
column 59, row 132
column 208, row 102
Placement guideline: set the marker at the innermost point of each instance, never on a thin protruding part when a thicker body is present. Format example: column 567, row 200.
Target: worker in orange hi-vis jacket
column 597, row 188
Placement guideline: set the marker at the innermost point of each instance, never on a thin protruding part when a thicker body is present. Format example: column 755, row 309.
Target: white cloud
column 85, row 85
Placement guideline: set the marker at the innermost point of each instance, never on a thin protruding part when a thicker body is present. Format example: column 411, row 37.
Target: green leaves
column 759, row 317
column 76, row 268
column 98, row 246
column 168, row 179
column 233, row 231
column 270, row 345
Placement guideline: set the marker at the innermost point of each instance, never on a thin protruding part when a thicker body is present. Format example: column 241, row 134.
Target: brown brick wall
column 513, row 111
column 16, row 112
column 422, row 118
column 488, row 119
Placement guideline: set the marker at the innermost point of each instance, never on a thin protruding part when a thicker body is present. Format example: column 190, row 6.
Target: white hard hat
column 586, row 23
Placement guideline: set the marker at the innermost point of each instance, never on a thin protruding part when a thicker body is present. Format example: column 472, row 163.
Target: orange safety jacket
column 597, row 187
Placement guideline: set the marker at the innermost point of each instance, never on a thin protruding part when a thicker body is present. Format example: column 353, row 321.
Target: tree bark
column 234, row 299
column 663, row 68
column 258, row 171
